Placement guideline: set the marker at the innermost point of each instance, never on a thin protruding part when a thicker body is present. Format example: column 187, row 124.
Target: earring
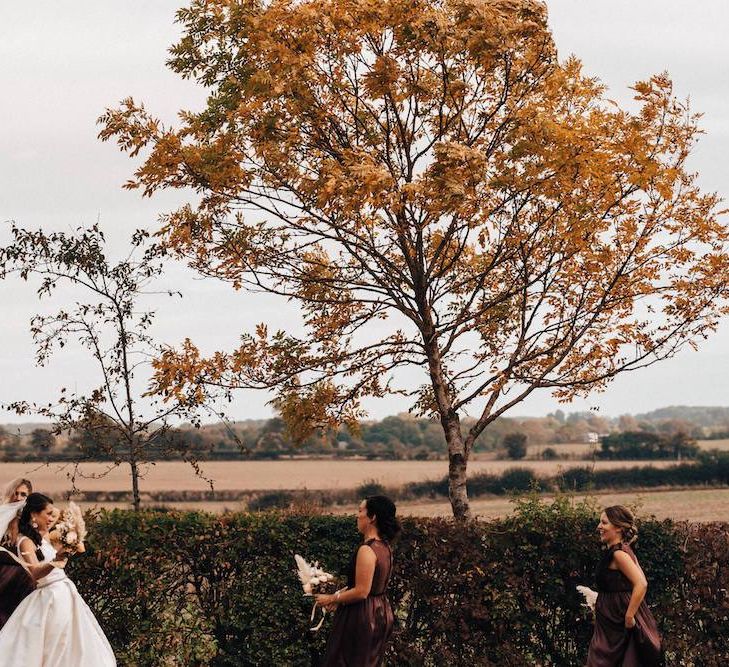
column 34, row 524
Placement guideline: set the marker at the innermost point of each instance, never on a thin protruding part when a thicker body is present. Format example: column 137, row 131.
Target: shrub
column 576, row 479
column 517, row 479
column 483, row 483
column 370, row 488
column 186, row 588
column 271, row 500
column 515, row 445
column 428, row 488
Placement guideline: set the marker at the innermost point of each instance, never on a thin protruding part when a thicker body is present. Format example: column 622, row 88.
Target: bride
column 53, row 626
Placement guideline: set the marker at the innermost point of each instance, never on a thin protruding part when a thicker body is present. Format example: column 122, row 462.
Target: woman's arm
column 38, row 570
column 636, row 577
column 363, row 575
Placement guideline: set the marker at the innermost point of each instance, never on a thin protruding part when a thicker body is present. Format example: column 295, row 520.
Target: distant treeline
column 396, row 437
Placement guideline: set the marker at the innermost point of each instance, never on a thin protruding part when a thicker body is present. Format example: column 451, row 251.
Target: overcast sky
column 63, row 63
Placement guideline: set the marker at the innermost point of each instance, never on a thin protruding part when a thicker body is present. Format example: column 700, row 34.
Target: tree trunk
column 135, row 485
column 449, row 420
column 457, row 462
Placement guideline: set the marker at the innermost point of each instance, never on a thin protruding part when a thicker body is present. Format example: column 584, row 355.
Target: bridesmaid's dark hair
column 383, row 509
column 36, row 502
column 621, row 517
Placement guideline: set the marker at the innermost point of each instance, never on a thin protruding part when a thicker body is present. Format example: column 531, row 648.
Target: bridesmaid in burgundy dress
column 625, row 633
column 15, row 581
column 363, row 620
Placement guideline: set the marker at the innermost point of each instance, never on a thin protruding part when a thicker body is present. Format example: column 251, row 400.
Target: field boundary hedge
column 712, row 470
column 197, row 589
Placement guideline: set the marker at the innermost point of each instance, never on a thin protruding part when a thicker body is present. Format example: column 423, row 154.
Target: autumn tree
column 433, row 187
column 113, row 421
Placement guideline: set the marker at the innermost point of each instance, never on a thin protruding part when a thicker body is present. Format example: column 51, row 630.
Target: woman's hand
column 324, row 600
column 61, row 559
column 629, row 621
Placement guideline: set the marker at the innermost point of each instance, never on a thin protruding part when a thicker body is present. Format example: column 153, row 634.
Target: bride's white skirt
column 54, row 627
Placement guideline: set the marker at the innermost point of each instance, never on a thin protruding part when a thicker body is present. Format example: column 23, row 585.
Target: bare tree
column 115, row 421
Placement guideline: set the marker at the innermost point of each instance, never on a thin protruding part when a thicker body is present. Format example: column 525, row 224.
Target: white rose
column 314, row 581
column 71, row 536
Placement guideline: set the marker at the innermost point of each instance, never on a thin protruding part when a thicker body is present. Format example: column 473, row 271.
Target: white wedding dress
column 54, row 627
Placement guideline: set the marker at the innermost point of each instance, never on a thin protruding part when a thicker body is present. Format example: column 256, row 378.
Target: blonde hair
column 621, row 517
column 11, row 533
column 9, row 490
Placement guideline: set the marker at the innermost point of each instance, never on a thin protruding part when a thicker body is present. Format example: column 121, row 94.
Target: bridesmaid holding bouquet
column 364, row 619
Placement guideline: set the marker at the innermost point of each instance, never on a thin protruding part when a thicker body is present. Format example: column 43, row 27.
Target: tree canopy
column 435, row 188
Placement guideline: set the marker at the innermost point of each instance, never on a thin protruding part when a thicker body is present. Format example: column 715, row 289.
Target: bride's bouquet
column 69, row 531
column 315, row 580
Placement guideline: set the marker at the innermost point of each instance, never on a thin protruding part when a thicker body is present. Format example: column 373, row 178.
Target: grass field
column 268, row 475
column 689, row 505
column 570, row 449
column 681, row 505
column 693, row 504
column 722, row 445
column 579, row 449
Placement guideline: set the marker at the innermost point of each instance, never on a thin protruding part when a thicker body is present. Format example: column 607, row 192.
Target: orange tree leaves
column 430, row 167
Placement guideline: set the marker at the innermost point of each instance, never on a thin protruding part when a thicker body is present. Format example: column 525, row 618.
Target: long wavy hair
column 36, row 502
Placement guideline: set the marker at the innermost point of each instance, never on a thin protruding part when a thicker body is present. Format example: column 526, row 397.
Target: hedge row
column 712, row 469
column 198, row 589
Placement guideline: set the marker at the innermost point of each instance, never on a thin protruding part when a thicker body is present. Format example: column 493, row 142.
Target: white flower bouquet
column 315, row 580
column 69, row 531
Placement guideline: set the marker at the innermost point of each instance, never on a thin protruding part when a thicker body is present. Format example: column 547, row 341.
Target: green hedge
column 198, row 589
column 712, row 469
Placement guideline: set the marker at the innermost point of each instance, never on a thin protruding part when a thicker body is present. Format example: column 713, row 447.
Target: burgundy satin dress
column 15, row 585
column 612, row 644
column 360, row 631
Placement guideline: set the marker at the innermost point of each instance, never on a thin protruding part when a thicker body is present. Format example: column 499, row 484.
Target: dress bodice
column 613, row 581
column 383, row 567
column 49, row 553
